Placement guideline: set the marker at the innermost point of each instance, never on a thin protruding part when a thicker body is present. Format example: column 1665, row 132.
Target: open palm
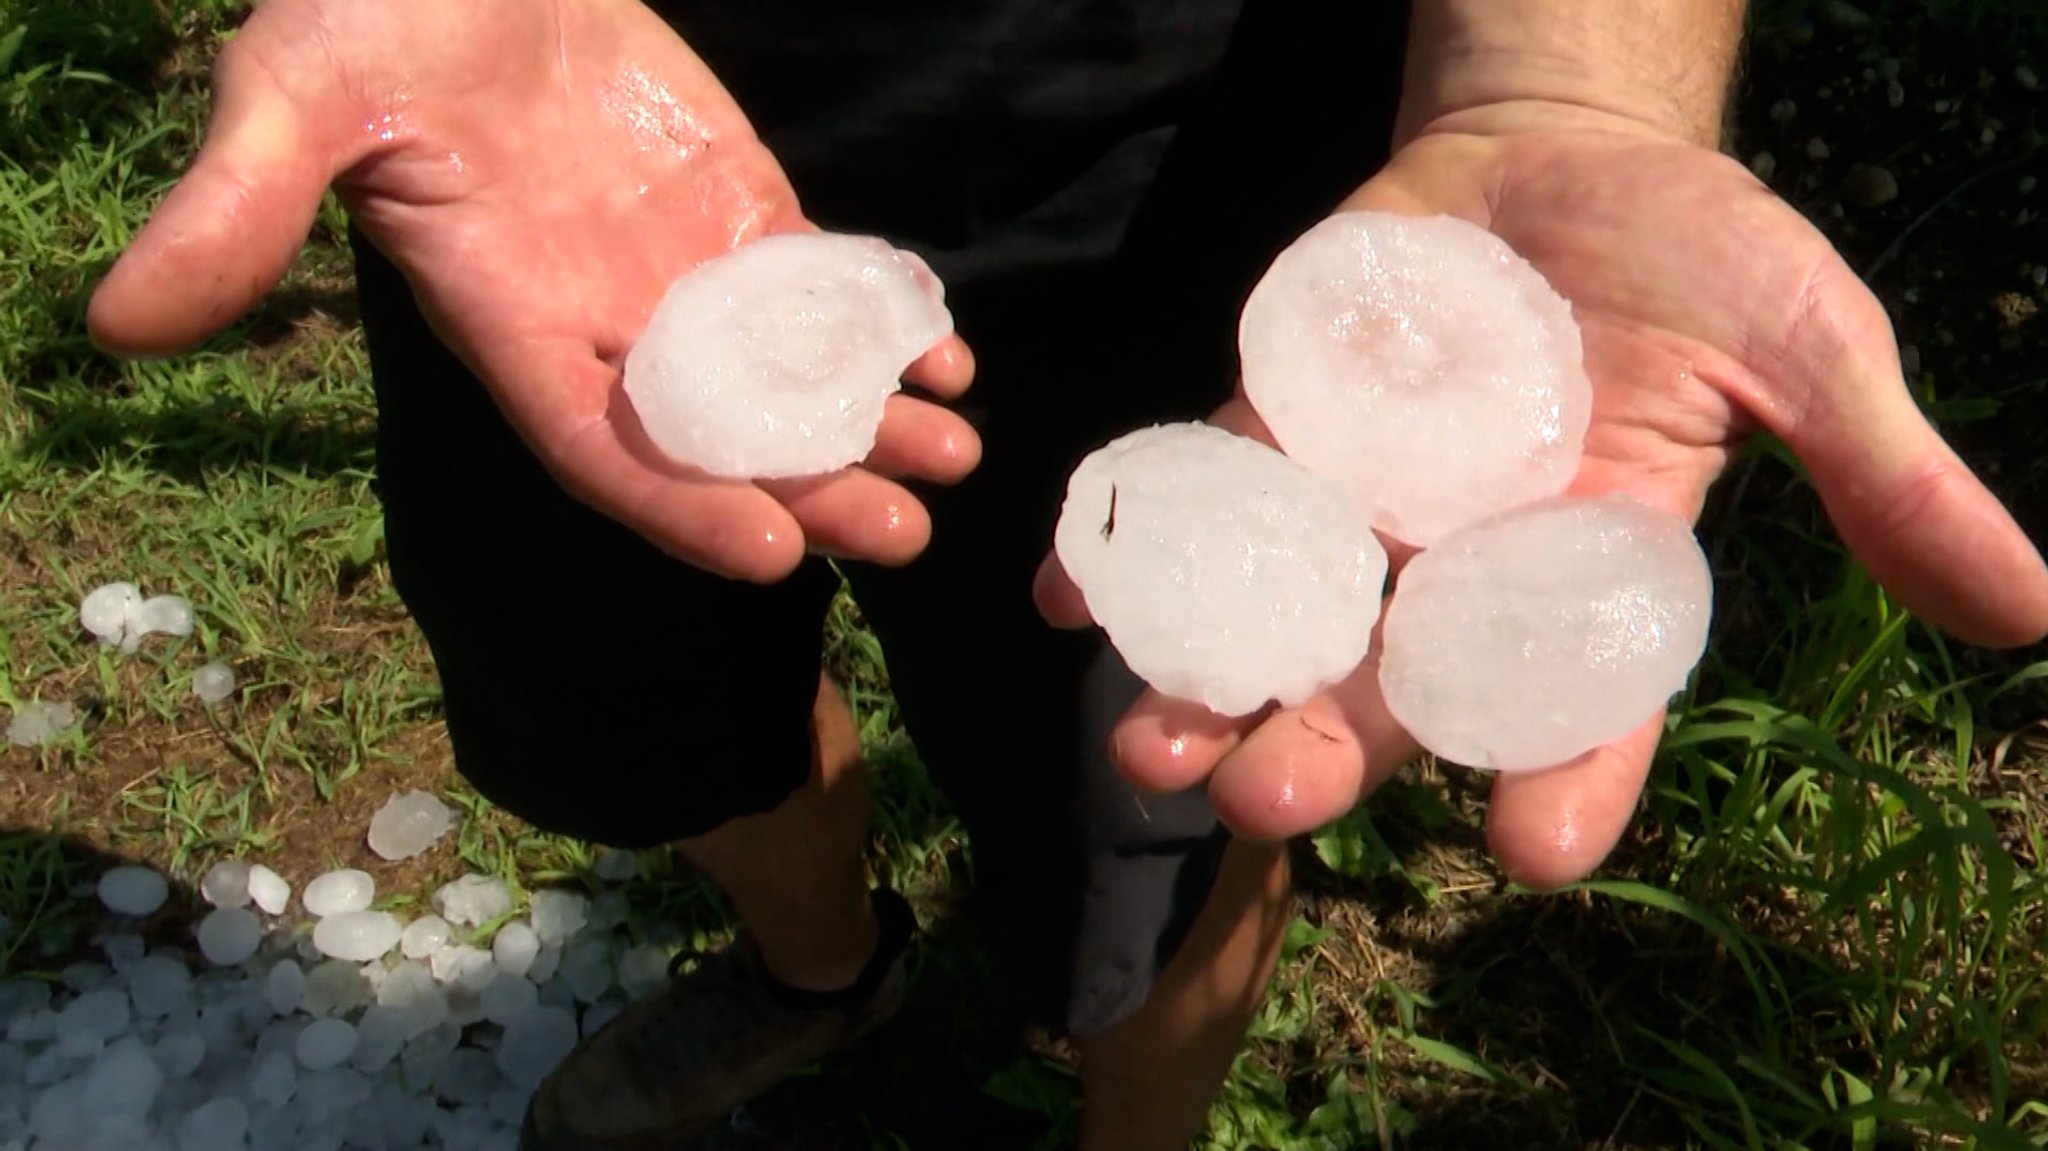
column 540, row 171
column 1709, row 308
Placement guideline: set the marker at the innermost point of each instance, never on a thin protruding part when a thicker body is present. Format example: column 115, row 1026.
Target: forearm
column 1663, row 64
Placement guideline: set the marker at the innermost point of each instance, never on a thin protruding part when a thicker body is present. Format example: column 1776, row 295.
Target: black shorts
column 600, row 689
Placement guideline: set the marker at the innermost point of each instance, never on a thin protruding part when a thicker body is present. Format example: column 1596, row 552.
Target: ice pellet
column 229, row 935
column 1421, row 365
column 557, row 915
column 136, row 891
column 1521, row 641
column 215, row 1125
column 423, row 936
column 213, row 682
column 179, row 1053
column 409, row 824
column 338, row 891
column 643, row 970
column 39, row 723
column 1222, row 571
column 268, row 890
column 164, row 614
column 776, row 359
column 473, row 900
column 534, row 1043
column 108, row 611
column 158, row 984
column 226, row 884
column 325, row 1043
column 357, row 936
column 505, row 1000
column 124, row 1081
column 514, row 948
column 285, row 986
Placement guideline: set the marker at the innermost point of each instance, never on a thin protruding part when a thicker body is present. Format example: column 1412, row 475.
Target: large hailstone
column 1546, row 631
column 775, row 359
column 1419, row 364
column 1222, row 571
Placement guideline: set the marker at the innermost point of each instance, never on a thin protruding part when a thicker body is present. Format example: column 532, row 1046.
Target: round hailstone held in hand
column 1546, row 631
column 136, row 891
column 1223, row 572
column 775, row 359
column 1419, row 364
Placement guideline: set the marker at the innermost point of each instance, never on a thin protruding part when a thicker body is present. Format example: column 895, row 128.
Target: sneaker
column 674, row 1065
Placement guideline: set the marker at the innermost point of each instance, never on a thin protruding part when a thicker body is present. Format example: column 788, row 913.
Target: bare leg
column 795, row 874
column 1150, row 1080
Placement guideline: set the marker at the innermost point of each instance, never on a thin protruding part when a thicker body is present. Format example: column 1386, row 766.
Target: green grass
column 1828, row 930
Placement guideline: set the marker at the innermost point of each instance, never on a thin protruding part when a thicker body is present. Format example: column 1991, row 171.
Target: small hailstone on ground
column 213, row 682
column 615, row 866
column 229, row 935
column 473, row 900
column 1222, row 571
column 38, row 723
column 325, row 1043
column 777, row 358
column 215, row 1125
column 423, row 936
column 108, row 611
column 1421, row 365
column 226, row 884
column 505, row 1000
column 535, row 1043
column 643, row 970
column 285, row 986
column 338, row 891
column 158, row 984
column 1524, row 640
column 357, row 936
column 268, row 890
column 136, row 891
column 165, row 614
column 514, row 948
column 557, row 915
column 409, row 824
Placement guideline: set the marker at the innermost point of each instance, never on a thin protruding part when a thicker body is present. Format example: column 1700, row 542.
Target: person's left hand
column 1709, row 307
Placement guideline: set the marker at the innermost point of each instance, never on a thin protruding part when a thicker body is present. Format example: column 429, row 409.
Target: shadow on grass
column 78, row 431
column 50, row 927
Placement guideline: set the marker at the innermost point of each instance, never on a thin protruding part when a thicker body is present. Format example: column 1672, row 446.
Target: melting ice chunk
column 409, row 824
column 109, row 610
column 136, row 891
column 168, row 614
column 339, row 891
column 1223, row 572
column 1421, row 365
column 775, row 359
column 557, row 915
column 269, row 890
column 1545, row 631
column 226, row 884
column 213, row 682
column 39, row 722
column 472, row 900
column 357, row 936
column 229, row 935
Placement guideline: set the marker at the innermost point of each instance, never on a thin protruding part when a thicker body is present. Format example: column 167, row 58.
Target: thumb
column 232, row 226
column 1908, row 507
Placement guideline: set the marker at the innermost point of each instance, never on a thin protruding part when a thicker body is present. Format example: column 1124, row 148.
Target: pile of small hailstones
column 119, row 616
column 342, row 1027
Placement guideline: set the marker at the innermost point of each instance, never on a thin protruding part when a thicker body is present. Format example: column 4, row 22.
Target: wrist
column 1659, row 69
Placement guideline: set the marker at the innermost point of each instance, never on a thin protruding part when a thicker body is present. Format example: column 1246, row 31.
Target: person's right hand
column 540, row 170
